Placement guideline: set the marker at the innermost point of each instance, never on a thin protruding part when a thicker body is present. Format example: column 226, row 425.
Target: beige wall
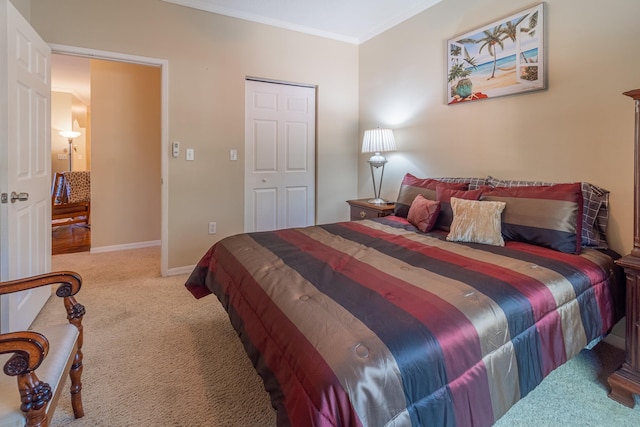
column 579, row 129
column 22, row 6
column 125, row 173
column 209, row 57
column 60, row 120
column 64, row 116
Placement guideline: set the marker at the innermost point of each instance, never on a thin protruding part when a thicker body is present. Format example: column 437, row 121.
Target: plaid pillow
column 474, row 183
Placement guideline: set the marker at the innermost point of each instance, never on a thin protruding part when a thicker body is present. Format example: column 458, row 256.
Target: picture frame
column 506, row 57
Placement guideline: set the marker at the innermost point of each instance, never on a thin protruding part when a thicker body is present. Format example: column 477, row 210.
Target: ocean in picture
column 506, row 63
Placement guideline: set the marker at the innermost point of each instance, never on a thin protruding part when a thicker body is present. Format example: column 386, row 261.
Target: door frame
column 164, row 137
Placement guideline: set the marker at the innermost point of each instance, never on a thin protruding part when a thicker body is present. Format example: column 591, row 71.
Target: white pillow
column 476, row 221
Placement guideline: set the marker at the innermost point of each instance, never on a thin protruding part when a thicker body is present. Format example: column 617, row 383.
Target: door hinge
column 4, row 197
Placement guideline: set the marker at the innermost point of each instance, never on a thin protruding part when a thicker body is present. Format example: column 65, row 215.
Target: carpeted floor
column 155, row 356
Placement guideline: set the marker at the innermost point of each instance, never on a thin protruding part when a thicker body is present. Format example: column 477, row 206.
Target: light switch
column 233, row 155
column 190, row 154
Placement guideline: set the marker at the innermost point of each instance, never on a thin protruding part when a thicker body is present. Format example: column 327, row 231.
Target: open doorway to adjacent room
column 70, row 151
column 114, row 108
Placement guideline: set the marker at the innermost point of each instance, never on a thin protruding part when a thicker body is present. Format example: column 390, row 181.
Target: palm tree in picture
column 491, row 39
column 511, row 32
column 459, row 73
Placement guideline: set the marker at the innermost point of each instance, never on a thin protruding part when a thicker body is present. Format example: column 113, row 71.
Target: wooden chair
column 71, row 198
column 27, row 398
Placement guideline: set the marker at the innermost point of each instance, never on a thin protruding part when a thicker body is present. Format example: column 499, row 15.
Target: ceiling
column 71, row 74
column 352, row 21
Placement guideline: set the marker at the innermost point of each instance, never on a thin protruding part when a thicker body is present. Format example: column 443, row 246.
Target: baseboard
column 180, row 270
column 126, row 246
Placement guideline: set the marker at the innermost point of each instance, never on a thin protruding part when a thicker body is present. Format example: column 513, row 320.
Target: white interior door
column 279, row 156
column 25, row 165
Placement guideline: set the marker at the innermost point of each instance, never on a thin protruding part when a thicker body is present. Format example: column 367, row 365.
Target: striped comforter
column 371, row 323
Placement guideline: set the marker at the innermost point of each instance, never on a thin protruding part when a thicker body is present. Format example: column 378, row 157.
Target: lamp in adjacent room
column 378, row 141
column 70, row 134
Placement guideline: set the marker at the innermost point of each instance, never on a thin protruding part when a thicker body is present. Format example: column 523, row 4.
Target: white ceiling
column 352, row 21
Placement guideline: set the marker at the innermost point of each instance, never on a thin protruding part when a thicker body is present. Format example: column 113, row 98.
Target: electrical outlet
column 212, row 228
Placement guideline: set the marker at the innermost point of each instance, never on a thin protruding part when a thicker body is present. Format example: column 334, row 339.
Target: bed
column 394, row 321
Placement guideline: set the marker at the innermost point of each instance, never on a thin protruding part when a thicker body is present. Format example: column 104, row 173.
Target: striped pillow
column 595, row 209
column 549, row 216
column 412, row 186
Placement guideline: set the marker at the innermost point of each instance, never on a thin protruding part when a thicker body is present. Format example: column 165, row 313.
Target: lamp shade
column 70, row 133
column 378, row 140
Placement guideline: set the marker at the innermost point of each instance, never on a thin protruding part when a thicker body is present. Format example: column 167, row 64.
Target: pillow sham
column 476, row 222
column 595, row 209
column 474, row 183
column 412, row 186
column 423, row 213
column 549, row 216
column 444, row 195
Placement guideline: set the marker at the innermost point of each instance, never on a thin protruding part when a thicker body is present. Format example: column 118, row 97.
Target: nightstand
column 360, row 209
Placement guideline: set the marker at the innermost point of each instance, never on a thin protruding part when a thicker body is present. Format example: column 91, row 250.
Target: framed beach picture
column 502, row 58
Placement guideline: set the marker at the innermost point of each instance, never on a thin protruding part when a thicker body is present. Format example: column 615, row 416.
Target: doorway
column 70, row 112
column 115, row 160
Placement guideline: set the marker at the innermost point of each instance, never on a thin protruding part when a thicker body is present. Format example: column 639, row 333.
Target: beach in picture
column 500, row 59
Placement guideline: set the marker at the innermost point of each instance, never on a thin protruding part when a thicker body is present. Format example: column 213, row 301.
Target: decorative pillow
column 423, row 213
column 78, row 186
column 549, row 216
column 412, row 186
column 444, row 195
column 474, row 183
column 477, row 222
column 595, row 209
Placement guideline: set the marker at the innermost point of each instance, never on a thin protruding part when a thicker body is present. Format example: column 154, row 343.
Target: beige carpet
column 155, row 356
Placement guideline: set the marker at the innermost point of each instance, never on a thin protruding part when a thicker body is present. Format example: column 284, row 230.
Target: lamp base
column 377, row 201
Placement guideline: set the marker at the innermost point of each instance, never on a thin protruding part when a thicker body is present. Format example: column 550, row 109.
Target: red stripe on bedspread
column 547, row 319
column 598, row 278
column 297, row 378
column 541, row 299
column 457, row 336
column 196, row 286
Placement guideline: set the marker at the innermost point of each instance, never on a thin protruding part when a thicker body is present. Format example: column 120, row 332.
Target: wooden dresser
column 625, row 382
column 360, row 209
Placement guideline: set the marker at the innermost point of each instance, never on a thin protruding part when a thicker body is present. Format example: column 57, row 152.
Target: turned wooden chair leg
column 76, row 385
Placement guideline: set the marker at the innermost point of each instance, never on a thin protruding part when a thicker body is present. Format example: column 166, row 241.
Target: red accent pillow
column 423, row 213
column 444, row 195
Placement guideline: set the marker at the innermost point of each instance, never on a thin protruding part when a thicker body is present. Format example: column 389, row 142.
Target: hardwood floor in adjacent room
column 66, row 239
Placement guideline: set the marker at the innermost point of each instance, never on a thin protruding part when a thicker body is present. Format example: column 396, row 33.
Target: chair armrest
column 70, row 283
column 29, row 350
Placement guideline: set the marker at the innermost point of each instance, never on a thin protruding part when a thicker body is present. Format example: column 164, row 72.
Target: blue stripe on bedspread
column 374, row 311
